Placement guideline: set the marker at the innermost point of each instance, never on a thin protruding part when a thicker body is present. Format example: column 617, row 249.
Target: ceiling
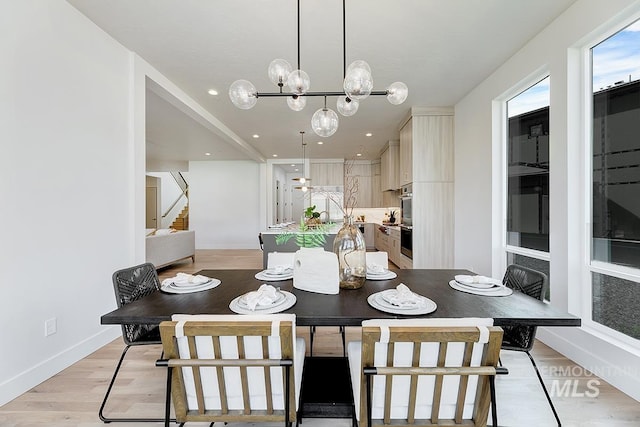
column 441, row 49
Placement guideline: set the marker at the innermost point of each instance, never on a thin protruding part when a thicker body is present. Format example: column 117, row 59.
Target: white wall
column 478, row 179
column 225, row 204
column 65, row 120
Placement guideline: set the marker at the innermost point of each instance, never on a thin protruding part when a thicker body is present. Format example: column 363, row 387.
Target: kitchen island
column 269, row 240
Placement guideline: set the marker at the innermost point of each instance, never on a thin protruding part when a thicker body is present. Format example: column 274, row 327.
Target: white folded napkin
column 280, row 269
column 403, row 297
column 469, row 280
column 265, row 295
column 184, row 279
column 373, row 268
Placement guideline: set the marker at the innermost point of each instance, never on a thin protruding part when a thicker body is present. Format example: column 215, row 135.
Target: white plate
column 280, row 298
column 386, row 276
column 490, row 282
column 271, row 278
column 498, row 291
column 285, row 272
column 289, row 301
column 377, row 301
column 172, row 289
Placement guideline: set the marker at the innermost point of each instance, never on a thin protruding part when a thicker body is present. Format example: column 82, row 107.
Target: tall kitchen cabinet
column 406, row 153
column 327, row 172
column 426, row 143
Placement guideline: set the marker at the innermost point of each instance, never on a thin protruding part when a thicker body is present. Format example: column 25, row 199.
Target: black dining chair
column 131, row 284
column 521, row 338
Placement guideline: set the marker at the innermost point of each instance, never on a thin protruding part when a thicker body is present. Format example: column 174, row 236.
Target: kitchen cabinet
column 369, row 235
column 406, row 153
column 432, row 141
column 394, row 245
column 390, row 167
column 326, row 173
column 381, row 240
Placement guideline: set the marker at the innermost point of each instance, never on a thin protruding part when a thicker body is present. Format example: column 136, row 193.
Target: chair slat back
column 428, row 375
column 231, row 370
column 129, row 285
column 530, row 282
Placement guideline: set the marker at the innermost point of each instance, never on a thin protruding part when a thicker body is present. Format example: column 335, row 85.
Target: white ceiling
column 440, row 48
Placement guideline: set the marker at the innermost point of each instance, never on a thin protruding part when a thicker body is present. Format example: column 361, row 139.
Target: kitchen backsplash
column 376, row 215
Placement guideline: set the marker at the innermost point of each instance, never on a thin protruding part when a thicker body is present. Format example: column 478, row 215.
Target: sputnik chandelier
column 357, row 85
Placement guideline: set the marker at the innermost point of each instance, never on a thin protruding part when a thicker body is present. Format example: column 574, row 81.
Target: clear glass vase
column 350, row 247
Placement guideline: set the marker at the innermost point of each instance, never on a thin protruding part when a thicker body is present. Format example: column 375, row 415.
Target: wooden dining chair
column 232, row 368
column 521, row 338
column 131, row 284
column 425, row 372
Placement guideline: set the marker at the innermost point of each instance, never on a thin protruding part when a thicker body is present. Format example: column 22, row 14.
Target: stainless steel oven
column 406, row 199
column 406, row 241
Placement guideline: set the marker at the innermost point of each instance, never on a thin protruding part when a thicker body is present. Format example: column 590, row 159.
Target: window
column 615, row 195
column 527, row 221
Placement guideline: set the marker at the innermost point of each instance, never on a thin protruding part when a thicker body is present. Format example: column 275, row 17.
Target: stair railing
column 184, row 196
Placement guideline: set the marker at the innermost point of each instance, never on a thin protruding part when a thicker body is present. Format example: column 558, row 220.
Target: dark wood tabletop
column 349, row 307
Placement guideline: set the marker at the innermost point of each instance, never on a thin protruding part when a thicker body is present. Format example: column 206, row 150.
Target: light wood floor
column 72, row 397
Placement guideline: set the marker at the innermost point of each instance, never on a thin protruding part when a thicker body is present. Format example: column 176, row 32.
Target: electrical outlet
column 50, row 327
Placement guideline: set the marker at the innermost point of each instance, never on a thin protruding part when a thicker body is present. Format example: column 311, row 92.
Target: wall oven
column 405, row 205
column 406, row 241
column 406, row 226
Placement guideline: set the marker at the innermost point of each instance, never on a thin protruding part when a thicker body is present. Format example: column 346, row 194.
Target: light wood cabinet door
column 326, row 174
column 376, row 193
column 406, row 153
column 390, row 167
column 394, row 246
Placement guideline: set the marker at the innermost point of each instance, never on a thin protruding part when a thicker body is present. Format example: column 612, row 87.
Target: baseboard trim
column 26, row 380
column 612, row 363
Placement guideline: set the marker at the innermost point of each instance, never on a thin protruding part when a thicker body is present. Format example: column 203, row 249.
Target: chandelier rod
column 344, row 41
column 298, row 34
column 276, row 94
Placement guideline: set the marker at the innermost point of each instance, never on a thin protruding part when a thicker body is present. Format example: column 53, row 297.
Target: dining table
column 349, row 307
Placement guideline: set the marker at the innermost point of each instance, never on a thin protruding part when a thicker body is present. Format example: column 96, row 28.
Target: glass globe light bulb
column 324, row 122
column 358, row 84
column 279, row 71
column 359, row 64
column 347, row 106
column 298, row 82
column 243, row 94
column 397, row 93
column 296, row 103
column 302, row 180
column 304, row 188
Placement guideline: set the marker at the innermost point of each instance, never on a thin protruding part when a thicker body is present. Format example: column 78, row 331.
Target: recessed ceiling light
column 293, row 165
column 207, row 154
column 296, row 170
column 256, row 136
column 359, row 154
column 320, row 142
column 368, row 134
column 275, row 155
column 212, row 92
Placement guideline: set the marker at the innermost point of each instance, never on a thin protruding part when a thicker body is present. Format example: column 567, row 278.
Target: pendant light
column 303, row 181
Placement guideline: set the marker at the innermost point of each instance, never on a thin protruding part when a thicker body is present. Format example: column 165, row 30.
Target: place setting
column 184, row 283
column 379, row 272
column 480, row 285
column 276, row 273
column 401, row 300
column 266, row 300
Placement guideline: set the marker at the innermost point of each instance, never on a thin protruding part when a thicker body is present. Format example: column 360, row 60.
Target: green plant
column 310, row 212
